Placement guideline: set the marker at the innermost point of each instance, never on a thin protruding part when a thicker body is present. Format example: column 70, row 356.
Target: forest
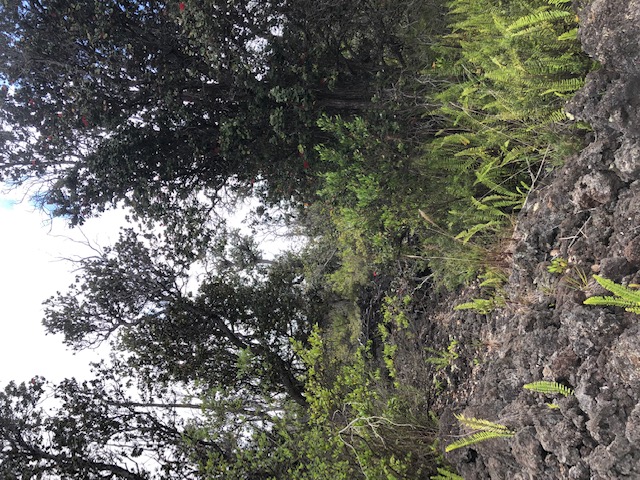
column 394, row 142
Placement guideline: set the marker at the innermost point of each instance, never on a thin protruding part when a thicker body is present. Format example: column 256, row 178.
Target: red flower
column 305, row 164
column 181, row 6
column 85, row 122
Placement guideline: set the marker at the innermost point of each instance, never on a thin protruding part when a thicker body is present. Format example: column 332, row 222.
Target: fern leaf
column 466, row 235
column 613, row 302
column 547, row 387
column 563, row 86
column 569, row 35
column 558, row 116
column 481, row 305
column 625, row 297
column 444, row 474
column 538, row 18
column 482, row 424
column 619, row 290
column 476, row 438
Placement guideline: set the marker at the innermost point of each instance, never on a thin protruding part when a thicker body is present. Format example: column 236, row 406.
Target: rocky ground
column 588, row 213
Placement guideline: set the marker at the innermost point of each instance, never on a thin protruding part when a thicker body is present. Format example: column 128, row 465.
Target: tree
column 235, row 330
column 92, row 430
column 149, row 104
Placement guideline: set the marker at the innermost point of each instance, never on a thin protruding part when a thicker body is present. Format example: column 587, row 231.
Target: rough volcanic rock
column 588, row 213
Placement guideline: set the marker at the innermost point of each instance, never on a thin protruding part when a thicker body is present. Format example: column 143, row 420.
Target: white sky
column 31, row 251
column 31, row 271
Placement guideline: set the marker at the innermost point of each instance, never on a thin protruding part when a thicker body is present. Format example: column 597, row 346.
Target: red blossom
column 85, row 122
column 181, row 6
column 305, row 164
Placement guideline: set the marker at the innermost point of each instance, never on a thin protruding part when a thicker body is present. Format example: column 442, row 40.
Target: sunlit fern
column 549, row 388
column 485, row 430
column 625, row 297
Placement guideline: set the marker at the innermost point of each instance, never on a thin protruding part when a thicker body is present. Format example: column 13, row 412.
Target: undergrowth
column 438, row 183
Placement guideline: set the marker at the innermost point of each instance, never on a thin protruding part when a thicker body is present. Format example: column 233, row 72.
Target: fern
column 444, row 474
column 483, row 306
column 537, row 19
column 475, row 438
column 625, row 297
column 569, row 85
column 487, row 430
column 482, row 424
column 569, row 35
column 549, row 388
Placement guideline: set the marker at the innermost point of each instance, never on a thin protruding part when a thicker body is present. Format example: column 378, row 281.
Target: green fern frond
column 487, row 431
column 569, row 35
column 613, row 302
column 482, row 424
column 568, row 85
column 626, row 298
column 465, row 235
column 537, row 18
column 444, row 474
column 558, row 116
column 483, row 306
column 549, row 388
column 476, row 438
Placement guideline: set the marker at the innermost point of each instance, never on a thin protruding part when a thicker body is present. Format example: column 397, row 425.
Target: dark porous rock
column 587, row 212
column 632, row 429
column 527, row 450
column 625, row 357
column 595, row 188
column 627, row 159
column 615, row 268
column 580, row 471
column 609, row 30
column 632, row 251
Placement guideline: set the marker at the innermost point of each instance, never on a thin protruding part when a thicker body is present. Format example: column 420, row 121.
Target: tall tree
column 235, row 330
column 93, row 430
column 147, row 102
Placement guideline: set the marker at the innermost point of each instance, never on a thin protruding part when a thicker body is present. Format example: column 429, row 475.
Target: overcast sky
column 32, row 252
column 31, row 248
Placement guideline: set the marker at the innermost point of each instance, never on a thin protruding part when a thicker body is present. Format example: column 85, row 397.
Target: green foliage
column 483, row 306
column 625, row 297
column 486, row 430
column 558, row 265
column 367, row 418
column 549, row 388
column 444, row 358
column 508, row 70
column 369, row 193
column 445, row 474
